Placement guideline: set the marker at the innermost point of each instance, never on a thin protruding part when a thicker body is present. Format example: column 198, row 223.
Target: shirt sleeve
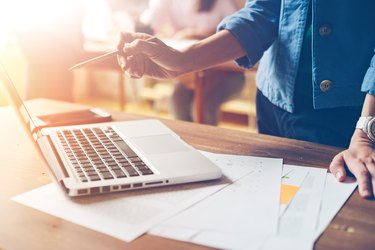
column 255, row 26
column 368, row 84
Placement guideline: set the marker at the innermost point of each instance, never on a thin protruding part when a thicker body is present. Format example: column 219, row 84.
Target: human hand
column 359, row 159
column 144, row 55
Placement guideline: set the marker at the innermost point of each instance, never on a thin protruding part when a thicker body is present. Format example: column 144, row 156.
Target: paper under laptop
column 116, row 156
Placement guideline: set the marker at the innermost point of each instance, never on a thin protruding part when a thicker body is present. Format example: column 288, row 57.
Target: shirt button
column 325, row 30
column 326, row 85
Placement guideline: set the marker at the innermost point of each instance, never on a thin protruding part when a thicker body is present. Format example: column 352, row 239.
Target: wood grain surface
column 23, row 168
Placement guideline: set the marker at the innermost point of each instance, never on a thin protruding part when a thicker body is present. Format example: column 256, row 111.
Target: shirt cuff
column 368, row 84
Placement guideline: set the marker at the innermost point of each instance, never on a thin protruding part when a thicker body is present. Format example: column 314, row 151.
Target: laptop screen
column 11, row 92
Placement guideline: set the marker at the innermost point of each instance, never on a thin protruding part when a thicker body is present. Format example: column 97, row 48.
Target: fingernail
column 366, row 194
column 338, row 175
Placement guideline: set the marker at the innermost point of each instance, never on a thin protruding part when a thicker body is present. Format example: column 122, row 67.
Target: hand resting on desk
column 359, row 159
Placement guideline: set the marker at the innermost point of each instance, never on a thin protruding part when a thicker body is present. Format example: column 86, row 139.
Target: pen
column 95, row 59
column 101, row 57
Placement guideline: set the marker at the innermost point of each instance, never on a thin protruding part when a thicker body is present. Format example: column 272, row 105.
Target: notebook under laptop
column 114, row 156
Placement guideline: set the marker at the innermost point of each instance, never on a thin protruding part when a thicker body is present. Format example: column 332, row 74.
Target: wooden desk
column 23, row 169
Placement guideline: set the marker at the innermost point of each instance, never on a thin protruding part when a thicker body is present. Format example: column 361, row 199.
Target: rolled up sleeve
column 255, row 26
column 368, row 84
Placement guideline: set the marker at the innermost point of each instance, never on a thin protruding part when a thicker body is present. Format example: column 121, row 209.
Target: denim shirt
column 343, row 48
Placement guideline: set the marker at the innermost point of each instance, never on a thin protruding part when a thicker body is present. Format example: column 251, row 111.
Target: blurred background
column 41, row 39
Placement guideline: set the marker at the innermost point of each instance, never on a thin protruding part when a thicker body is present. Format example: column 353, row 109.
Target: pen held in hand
column 101, row 57
column 95, row 59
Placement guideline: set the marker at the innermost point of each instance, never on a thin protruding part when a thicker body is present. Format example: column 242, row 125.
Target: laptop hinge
column 35, row 131
column 36, row 135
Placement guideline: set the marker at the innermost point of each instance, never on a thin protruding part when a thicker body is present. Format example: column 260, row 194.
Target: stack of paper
column 259, row 204
column 241, row 213
column 309, row 199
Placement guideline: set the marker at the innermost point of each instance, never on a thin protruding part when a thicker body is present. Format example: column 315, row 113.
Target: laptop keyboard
column 100, row 154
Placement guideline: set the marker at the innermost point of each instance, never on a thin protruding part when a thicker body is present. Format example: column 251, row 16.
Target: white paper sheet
column 291, row 181
column 125, row 216
column 298, row 223
column 242, row 214
column 334, row 197
column 128, row 215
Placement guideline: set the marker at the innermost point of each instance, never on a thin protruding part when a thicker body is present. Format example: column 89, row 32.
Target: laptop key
column 106, row 175
column 135, row 159
column 125, row 148
column 83, row 179
column 131, row 171
column 141, row 166
column 119, row 173
column 146, row 171
column 94, row 178
column 91, row 173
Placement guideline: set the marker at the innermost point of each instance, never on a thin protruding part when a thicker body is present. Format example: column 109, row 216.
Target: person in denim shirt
column 316, row 75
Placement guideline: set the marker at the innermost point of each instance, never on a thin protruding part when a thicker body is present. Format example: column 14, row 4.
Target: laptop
column 109, row 157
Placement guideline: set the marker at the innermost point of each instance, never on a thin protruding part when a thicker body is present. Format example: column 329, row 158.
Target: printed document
column 291, row 182
column 242, row 214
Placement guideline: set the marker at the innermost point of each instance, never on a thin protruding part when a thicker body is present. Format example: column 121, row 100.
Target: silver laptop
column 115, row 156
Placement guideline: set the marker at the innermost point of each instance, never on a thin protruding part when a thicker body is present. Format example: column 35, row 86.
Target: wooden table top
column 23, row 169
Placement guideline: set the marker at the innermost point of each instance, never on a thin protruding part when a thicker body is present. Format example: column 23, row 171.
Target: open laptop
column 114, row 156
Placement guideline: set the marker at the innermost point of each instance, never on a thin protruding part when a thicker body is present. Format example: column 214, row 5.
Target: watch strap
column 361, row 122
column 365, row 123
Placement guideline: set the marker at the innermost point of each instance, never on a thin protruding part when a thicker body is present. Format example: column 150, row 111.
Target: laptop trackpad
column 159, row 144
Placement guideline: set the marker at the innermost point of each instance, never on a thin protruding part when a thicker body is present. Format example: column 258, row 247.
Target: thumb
column 337, row 167
column 127, row 37
column 139, row 46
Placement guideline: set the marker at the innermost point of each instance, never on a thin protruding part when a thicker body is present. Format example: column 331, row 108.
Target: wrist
column 359, row 134
column 186, row 62
column 367, row 125
column 359, row 137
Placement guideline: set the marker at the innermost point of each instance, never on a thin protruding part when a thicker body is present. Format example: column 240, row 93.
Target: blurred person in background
column 194, row 19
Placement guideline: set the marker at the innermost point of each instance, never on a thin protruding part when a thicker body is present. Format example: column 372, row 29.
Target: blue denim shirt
column 343, row 47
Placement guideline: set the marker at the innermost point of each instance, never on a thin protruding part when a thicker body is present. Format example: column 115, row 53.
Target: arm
column 143, row 55
column 359, row 158
column 245, row 35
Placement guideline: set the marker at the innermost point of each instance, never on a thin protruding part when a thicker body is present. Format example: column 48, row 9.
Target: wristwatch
column 367, row 124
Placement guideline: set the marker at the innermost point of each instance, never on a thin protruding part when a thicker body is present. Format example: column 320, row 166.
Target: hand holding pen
column 143, row 55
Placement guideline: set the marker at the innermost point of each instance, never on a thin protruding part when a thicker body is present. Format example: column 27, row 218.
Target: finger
column 139, row 46
column 132, row 68
column 337, row 167
column 127, row 37
column 139, row 62
column 370, row 165
column 121, row 60
column 362, row 175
